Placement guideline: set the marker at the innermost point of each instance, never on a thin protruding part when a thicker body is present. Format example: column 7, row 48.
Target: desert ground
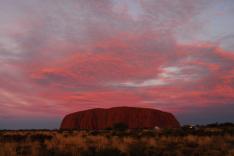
column 209, row 140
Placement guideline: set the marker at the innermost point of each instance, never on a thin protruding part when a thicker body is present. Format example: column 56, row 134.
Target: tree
column 120, row 126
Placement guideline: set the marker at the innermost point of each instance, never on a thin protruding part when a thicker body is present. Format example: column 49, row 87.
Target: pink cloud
column 88, row 55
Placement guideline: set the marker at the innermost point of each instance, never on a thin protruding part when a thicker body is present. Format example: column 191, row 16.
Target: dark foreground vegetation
column 209, row 140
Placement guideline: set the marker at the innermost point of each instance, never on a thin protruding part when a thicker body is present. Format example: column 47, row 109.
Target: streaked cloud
column 57, row 57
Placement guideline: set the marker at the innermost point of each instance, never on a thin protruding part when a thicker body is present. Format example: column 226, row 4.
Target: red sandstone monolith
column 134, row 118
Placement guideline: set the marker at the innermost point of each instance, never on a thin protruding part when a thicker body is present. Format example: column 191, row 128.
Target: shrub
column 90, row 151
column 136, row 149
column 120, row 126
column 93, row 151
column 109, row 152
column 13, row 138
column 23, row 150
column 41, row 137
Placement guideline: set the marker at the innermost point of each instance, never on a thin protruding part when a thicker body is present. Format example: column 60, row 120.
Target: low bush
column 198, row 141
column 120, row 126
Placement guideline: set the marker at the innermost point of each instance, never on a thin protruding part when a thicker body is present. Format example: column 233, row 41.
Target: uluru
column 133, row 117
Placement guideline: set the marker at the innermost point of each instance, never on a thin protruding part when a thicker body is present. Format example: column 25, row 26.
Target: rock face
column 134, row 118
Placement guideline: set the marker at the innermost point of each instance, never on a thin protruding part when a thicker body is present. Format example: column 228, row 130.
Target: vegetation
column 214, row 139
column 120, row 126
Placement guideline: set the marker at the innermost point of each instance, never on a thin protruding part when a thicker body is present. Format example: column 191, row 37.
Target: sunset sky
column 62, row 56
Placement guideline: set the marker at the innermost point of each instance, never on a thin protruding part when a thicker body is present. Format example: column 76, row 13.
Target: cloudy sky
column 62, row 56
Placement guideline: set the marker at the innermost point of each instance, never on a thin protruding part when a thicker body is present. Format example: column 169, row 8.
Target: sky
column 59, row 57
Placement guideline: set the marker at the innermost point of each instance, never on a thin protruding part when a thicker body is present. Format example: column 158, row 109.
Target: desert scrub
column 196, row 142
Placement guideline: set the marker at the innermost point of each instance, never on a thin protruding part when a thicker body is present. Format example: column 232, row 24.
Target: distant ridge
column 133, row 117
